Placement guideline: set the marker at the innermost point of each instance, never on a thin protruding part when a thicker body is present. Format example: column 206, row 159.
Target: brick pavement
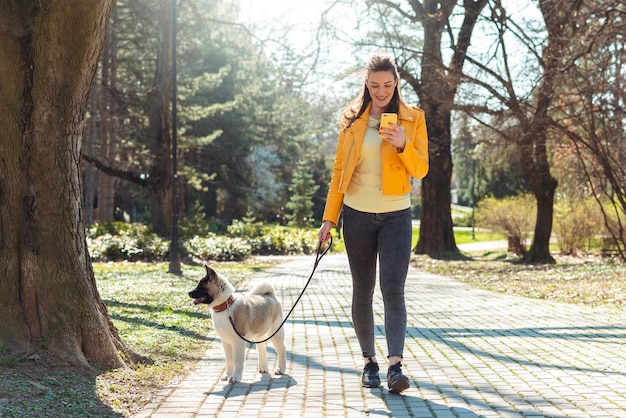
column 469, row 353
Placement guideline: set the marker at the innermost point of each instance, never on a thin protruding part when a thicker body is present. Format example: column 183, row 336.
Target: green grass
column 464, row 236
column 461, row 236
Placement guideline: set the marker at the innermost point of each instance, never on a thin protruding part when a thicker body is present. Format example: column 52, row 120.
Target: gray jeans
column 385, row 237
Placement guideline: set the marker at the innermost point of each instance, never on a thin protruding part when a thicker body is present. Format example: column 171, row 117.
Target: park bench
column 610, row 247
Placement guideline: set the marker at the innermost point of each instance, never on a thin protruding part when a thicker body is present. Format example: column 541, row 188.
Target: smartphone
column 387, row 118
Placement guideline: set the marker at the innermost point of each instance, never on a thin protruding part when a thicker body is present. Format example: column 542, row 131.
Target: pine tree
column 300, row 204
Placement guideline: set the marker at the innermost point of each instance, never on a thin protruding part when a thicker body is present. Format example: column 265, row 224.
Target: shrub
column 116, row 241
column 218, row 248
column 246, row 228
column 274, row 239
column 512, row 216
column 283, row 240
column 132, row 242
column 576, row 223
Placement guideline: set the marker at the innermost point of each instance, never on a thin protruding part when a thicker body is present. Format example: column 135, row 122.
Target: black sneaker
column 396, row 381
column 370, row 378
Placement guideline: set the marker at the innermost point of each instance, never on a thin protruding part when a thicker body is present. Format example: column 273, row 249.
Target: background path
column 469, row 353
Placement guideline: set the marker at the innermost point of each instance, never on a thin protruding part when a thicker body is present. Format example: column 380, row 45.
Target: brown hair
column 354, row 109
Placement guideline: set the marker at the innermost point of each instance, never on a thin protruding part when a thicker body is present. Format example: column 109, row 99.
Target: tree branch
column 116, row 172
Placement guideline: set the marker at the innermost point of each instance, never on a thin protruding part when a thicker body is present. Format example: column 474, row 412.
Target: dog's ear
column 209, row 271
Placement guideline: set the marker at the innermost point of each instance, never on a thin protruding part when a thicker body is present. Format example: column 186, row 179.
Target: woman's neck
column 375, row 112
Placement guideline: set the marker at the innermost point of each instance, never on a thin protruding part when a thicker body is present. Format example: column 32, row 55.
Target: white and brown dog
column 256, row 315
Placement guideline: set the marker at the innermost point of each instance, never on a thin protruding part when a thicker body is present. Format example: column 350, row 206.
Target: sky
column 303, row 19
column 303, row 16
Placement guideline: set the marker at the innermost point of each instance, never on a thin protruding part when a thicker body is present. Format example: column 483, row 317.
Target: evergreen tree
column 300, row 204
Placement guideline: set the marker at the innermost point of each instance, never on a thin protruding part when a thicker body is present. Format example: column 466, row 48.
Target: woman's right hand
column 324, row 232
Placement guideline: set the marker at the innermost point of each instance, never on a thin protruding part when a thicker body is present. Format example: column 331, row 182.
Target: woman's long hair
column 354, row 110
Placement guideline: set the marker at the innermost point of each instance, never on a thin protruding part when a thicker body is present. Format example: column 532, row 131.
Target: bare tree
column 48, row 295
column 529, row 108
column 591, row 110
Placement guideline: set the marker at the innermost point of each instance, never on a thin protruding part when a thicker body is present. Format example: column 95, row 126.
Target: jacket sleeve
column 334, row 199
column 414, row 157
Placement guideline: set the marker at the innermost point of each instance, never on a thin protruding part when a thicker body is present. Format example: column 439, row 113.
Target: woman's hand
column 394, row 135
column 324, row 233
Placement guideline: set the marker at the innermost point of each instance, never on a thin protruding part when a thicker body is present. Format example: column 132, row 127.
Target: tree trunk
column 535, row 164
column 107, row 150
column 48, row 295
column 436, row 229
column 90, row 171
column 558, row 16
column 436, row 90
column 159, row 129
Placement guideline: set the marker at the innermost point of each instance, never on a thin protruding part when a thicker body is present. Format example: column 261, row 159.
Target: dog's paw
column 278, row 371
column 235, row 379
column 224, row 377
column 263, row 368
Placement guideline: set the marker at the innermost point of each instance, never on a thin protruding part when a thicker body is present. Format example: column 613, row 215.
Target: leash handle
column 318, row 257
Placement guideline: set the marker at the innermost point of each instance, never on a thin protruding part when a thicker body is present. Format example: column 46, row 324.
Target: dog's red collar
column 222, row 307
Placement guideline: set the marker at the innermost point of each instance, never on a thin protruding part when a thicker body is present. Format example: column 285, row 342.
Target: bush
column 284, row 241
column 246, row 228
column 218, row 248
column 274, row 239
column 512, row 216
column 576, row 223
column 118, row 241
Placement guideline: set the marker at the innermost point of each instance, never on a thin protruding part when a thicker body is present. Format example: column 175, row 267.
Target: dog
column 256, row 315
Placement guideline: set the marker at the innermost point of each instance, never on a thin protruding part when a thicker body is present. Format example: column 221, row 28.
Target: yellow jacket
column 397, row 167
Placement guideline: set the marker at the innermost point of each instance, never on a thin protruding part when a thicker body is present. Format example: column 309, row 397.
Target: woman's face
column 381, row 86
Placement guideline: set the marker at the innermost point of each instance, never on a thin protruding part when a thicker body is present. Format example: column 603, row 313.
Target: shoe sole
column 371, row 385
column 399, row 385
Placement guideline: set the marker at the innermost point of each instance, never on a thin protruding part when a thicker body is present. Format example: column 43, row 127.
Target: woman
column 371, row 180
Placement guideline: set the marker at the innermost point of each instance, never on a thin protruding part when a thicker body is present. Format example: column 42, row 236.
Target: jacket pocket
column 396, row 179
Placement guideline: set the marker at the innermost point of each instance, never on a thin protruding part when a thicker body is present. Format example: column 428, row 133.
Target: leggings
column 386, row 237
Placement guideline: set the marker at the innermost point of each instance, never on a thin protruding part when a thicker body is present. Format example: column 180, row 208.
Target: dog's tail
column 262, row 289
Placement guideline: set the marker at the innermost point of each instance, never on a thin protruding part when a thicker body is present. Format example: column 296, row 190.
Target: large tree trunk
column 436, row 228
column 437, row 89
column 48, row 295
column 91, row 173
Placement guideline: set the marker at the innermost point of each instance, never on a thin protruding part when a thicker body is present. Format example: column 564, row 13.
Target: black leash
column 318, row 257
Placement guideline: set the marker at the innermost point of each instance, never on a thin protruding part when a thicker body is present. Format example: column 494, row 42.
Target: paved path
column 469, row 353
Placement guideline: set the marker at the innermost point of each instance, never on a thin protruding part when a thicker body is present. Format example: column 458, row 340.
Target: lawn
column 461, row 236
column 465, row 235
